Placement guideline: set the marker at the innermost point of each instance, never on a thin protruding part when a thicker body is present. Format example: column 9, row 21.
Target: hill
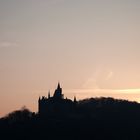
column 94, row 118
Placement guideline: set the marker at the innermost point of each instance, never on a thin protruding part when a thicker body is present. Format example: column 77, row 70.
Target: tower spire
column 58, row 87
column 58, row 92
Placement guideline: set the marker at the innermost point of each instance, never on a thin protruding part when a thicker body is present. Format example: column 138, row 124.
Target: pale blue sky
column 85, row 44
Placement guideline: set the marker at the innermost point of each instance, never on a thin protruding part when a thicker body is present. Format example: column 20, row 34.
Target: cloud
column 92, row 80
column 109, row 75
column 56, row 1
column 48, row 2
column 7, row 44
column 100, row 78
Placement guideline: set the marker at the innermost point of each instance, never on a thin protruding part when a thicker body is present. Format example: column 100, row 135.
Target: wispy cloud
column 7, row 44
column 56, row 1
column 101, row 76
column 109, row 75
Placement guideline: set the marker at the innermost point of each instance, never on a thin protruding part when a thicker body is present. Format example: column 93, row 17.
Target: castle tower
column 56, row 105
column 58, row 92
column 39, row 104
column 75, row 99
column 58, row 87
column 49, row 95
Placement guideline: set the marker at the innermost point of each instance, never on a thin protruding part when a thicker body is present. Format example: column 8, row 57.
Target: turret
column 75, row 101
column 49, row 95
column 39, row 104
column 39, row 99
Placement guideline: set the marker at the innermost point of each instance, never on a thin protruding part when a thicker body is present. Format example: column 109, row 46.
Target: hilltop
column 94, row 118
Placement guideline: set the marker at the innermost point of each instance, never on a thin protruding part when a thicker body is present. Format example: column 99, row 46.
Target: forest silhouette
column 94, row 118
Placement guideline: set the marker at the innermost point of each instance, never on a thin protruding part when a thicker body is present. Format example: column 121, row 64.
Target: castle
column 55, row 105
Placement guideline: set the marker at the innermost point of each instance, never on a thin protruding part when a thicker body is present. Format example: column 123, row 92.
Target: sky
column 92, row 47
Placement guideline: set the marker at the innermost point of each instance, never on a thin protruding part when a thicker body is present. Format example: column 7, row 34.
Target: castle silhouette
column 56, row 105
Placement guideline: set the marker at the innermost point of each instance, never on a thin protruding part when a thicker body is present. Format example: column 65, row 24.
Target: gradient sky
column 91, row 46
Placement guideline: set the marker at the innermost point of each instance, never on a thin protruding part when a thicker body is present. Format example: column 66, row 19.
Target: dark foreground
column 96, row 119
